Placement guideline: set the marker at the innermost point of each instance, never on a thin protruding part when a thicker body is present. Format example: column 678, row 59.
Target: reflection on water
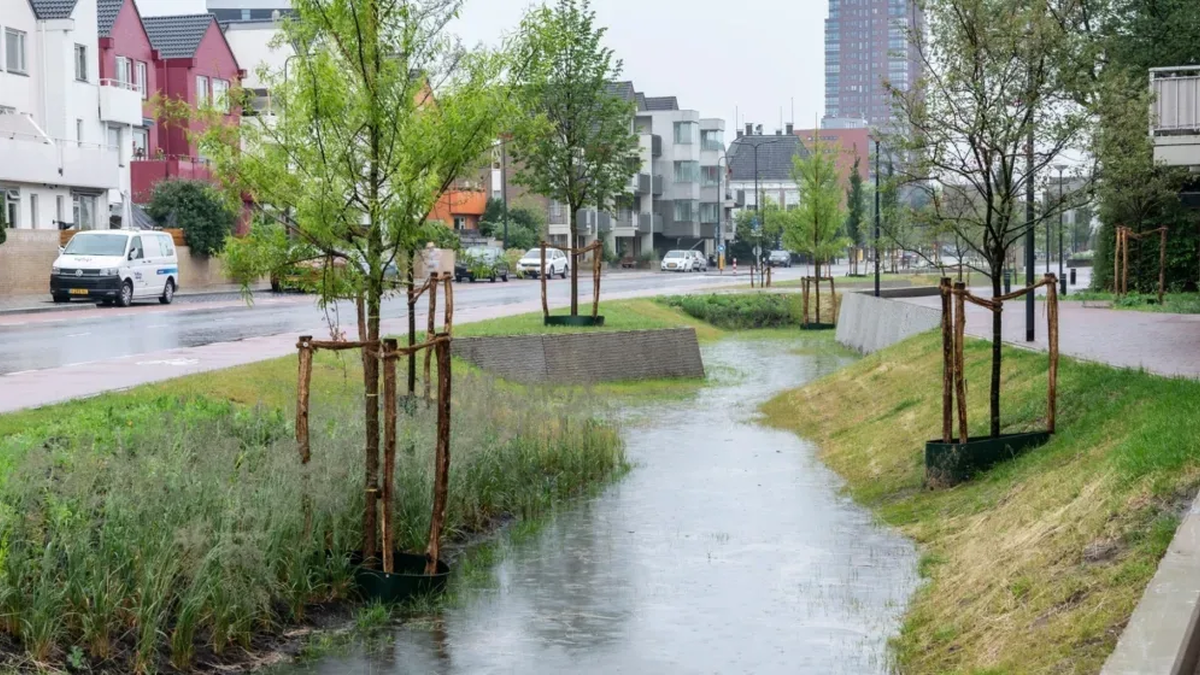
column 727, row 549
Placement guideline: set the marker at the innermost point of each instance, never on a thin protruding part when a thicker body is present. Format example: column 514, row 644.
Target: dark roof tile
column 622, row 89
column 106, row 15
column 53, row 9
column 177, row 36
column 662, row 103
column 774, row 157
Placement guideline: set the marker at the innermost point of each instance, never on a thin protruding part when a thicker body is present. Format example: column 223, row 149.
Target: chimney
column 779, row 132
column 758, row 130
column 739, row 133
column 749, row 129
column 790, row 128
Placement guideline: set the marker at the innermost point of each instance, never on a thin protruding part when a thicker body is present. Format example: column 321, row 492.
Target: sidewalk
column 40, row 302
column 1166, row 344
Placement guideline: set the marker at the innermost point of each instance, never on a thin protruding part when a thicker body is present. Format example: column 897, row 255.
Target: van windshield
column 95, row 244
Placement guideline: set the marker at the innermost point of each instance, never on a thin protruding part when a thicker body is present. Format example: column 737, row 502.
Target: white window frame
column 81, row 63
column 220, row 94
column 143, row 134
column 22, row 67
column 202, row 96
column 141, row 74
column 12, row 207
column 124, row 71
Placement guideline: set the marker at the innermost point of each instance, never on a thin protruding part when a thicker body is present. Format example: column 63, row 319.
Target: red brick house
column 194, row 64
column 127, row 59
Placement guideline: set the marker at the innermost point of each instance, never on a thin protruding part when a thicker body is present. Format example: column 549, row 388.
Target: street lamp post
column 721, row 214
column 504, row 187
column 877, row 217
column 1062, row 279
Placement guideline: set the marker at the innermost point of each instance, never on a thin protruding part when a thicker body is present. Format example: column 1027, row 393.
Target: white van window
column 135, row 249
column 167, row 245
column 96, row 244
column 152, row 248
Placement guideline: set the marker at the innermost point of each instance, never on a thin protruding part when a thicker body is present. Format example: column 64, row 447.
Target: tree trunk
column 371, row 415
column 441, row 479
column 412, row 323
column 389, row 455
column 573, row 238
column 997, row 351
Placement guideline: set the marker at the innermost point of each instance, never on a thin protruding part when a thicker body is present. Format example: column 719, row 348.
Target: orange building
column 849, row 143
column 460, row 209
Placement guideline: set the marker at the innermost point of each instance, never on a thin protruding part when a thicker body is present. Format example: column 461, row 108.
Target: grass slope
column 1173, row 303
column 620, row 315
column 1036, row 565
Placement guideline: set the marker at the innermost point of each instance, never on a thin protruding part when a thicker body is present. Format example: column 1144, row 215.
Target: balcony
column 684, row 229
column 657, row 186
column 648, row 223
column 604, row 222
column 146, row 173
column 32, row 157
column 643, row 184
column 1175, row 115
column 655, row 145
column 120, row 102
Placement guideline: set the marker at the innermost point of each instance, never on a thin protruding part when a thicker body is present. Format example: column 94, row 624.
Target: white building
column 57, row 167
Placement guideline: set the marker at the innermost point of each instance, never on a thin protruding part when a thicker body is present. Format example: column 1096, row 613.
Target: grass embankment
column 163, row 525
column 1173, row 303
column 1036, row 565
column 618, row 316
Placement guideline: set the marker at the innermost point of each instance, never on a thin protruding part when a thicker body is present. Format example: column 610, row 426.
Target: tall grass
column 743, row 311
column 171, row 531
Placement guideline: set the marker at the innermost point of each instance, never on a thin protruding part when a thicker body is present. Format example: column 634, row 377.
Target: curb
column 48, row 306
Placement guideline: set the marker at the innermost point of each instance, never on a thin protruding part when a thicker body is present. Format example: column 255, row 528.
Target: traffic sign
column 757, row 251
column 721, row 248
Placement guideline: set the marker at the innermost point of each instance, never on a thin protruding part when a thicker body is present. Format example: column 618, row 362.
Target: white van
column 116, row 266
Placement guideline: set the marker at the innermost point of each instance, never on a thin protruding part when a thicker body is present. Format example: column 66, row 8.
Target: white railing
column 119, row 84
column 1176, row 106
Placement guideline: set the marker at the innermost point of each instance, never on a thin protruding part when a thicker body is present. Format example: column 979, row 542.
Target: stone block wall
column 867, row 323
column 586, row 358
column 25, row 260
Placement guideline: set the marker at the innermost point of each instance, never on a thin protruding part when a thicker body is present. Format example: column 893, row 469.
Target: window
column 686, row 133
column 84, row 210
column 141, row 140
column 220, row 93
column 460, row 223
column 81, row 63
column 33, row 211
column 710, row 175
column 12, row 207
column 124, row 74
column 685, row 211
column 59, row 210
column 167, row 246
column 712, row 139
column 14, row 50
column 687, row 172
column 79, row 130
column 708, row 212
column 135, row 249
column 141, row 82
column 201, row 91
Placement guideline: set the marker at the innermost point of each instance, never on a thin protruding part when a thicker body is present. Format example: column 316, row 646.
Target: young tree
column 856, row 210
column 371, row 122
column 991, row 113
column 576, row 144
column 815, row 226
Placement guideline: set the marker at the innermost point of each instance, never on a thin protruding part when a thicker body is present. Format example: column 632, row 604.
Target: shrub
column 171, row 528
column 198, row 209
column 742, row 311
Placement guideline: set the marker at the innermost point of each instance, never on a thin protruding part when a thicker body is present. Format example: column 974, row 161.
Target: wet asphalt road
column 34, row 342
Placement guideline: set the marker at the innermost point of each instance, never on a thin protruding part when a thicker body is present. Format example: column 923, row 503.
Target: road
column 80, row 337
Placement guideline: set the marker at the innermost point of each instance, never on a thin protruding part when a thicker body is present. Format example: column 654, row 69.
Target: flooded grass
column 1036, row 565
column 618, row 315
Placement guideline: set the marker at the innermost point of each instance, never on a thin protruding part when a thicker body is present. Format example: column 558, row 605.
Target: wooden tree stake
column 596, row 262
column 430, row 333
column 960, row 384
column 441, row 477
column 804, row 298
column 303, row 388
column 1052, row 336
column 389, row 453
column 947, row 362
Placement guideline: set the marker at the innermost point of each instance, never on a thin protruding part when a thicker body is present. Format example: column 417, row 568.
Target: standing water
column 727, row 549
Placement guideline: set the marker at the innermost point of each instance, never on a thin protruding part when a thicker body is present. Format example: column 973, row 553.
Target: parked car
column 116, row 266
column 304, row 276
column 677, row 261
column 482, row 262
column 557, row 262
column 779, row 259
column 701, row 262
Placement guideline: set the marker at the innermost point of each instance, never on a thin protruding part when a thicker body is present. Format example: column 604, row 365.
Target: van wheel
column 126, row 297
column 168, row 293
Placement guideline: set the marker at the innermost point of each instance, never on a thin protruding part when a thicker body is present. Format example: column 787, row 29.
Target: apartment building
column 61, row 166
column 760, row 166
column 866, row 44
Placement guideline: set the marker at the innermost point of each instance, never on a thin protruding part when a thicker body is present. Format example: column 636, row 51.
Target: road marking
column 74, row 335
column 170, row 362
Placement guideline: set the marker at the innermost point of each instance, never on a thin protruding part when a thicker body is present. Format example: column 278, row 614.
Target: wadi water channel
column 728, row 548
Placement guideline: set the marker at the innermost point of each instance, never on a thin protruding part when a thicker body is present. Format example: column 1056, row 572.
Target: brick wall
column 25, row 261
column 584, row 358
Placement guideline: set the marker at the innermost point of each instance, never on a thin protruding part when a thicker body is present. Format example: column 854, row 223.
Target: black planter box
column 580, row 321
column 813, row 325
column 951, row 463
column 407, row 581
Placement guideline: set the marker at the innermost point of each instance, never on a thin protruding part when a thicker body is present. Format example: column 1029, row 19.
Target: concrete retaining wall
column 868, row 324
column 584, row 358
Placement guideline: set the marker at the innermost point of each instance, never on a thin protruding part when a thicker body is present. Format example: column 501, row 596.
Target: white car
column 116, row 266
column 556, row 263
column 699, row 263
column 677, row 261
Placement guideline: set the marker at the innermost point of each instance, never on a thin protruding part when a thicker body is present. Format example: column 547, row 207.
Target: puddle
column 727, row 549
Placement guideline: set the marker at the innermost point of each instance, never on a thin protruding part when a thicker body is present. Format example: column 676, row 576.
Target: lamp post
column 1062, row 279
column 504, row 187
column 721, row 213
column 877, row 217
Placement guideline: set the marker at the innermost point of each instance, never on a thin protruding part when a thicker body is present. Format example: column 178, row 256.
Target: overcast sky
column 756, row 58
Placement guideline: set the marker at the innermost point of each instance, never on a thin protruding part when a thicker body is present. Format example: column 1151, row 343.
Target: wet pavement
column 728, row 549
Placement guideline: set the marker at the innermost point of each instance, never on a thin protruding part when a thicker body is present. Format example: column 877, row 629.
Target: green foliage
column 754, row 228
column 526, row 226
column 815, row 227
column 141, row 529
column 856, row 207
column 742, row 311
column 198, row 209
column 442, row 237
column 575, row 143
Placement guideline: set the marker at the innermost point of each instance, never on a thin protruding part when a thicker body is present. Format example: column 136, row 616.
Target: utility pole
column 1062, row 279
column 1029, row 237
column 877, row 217
column 504, row 186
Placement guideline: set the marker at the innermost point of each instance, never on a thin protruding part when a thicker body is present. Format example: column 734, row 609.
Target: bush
column 142, row 530
column 742, row 311
column 198, row 209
